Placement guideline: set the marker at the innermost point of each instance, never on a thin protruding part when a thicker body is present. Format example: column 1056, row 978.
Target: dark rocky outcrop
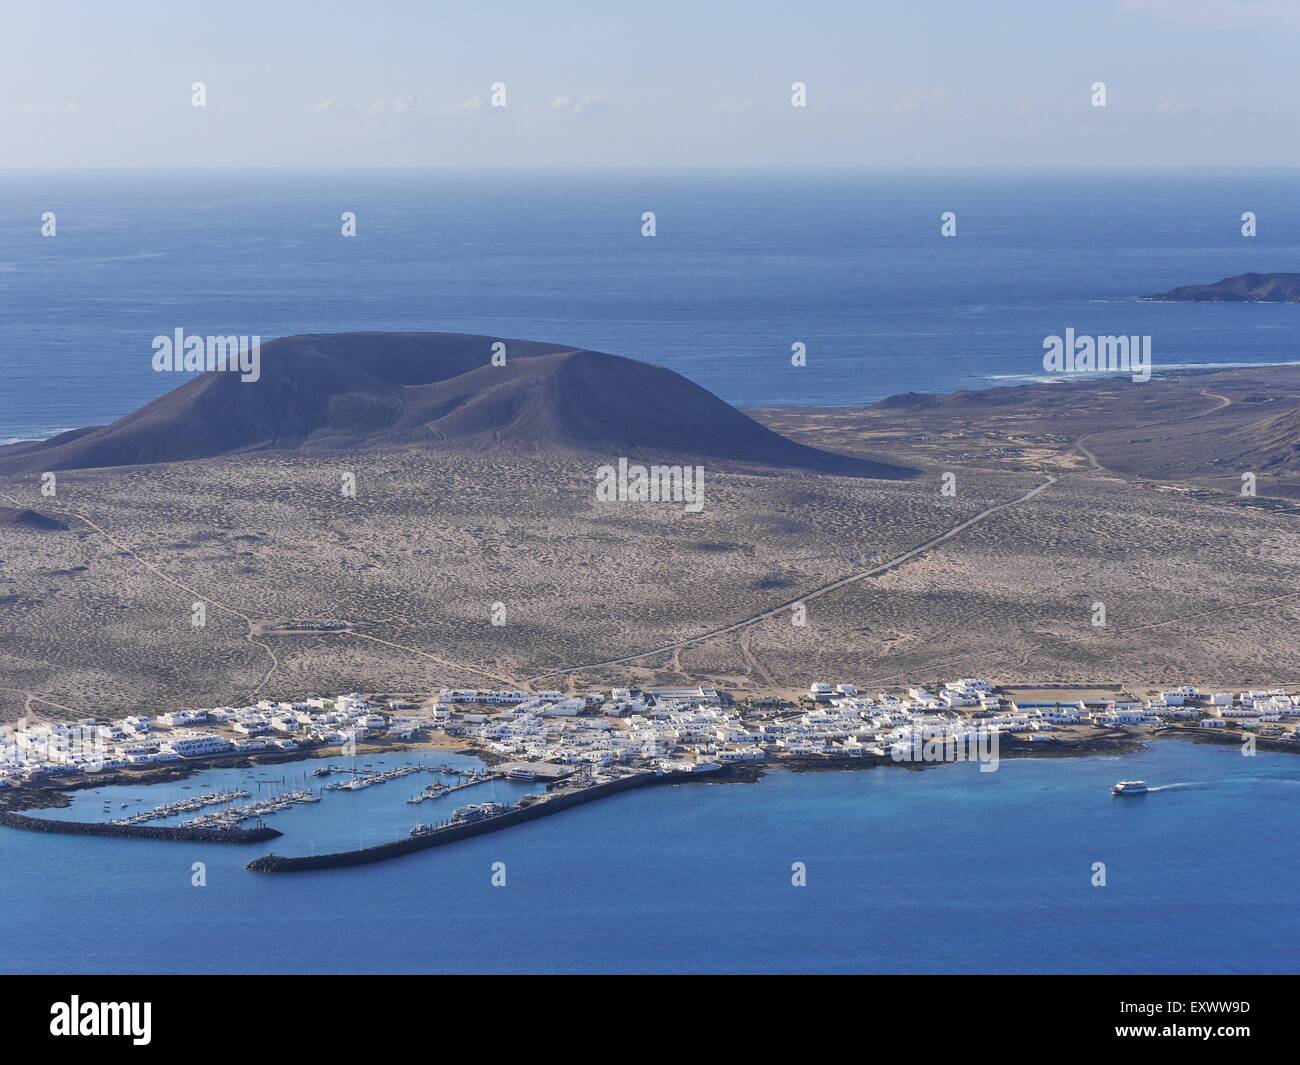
column 30, row 520
column 1243, row 288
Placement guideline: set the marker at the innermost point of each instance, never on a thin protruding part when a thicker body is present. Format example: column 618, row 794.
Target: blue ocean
column 742, row 266
column 945, row 870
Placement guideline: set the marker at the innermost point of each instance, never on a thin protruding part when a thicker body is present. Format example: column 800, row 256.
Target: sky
column 589, row 83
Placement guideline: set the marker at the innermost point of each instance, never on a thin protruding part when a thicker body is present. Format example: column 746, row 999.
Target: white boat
column 477, row 812
column 1130, row 787
column 522, row 774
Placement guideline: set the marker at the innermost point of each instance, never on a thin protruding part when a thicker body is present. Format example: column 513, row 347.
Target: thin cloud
column 924, row 100
column 71, row 107
column 399, row 105
column 585, row 105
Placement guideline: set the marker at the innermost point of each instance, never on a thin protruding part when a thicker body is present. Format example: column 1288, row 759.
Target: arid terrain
column 1066, row 496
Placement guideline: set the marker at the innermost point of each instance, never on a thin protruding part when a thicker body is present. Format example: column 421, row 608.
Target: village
column 676, row 730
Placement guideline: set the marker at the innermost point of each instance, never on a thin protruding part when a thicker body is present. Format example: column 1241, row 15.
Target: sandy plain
column 1198, row 585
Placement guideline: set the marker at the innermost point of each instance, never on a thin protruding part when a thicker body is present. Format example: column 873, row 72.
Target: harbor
column 183, row 806
column 529, row 755
column 222, row 803
column 437, row 791
column 363, row 780
column 461, row 826
column 233, row 816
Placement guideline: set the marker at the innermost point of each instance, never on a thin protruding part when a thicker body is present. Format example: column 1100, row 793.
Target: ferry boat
column 522, row 774
column 1130, row 787
column 477, row 812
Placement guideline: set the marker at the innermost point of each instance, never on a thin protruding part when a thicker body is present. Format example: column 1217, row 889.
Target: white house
column 197, row 745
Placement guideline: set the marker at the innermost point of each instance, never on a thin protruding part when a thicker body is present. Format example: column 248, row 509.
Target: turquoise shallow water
column 945, row 870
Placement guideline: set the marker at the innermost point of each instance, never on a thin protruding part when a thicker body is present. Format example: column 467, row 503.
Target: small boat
column 1130, row 787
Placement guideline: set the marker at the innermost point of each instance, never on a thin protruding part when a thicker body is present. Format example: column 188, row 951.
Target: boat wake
column 1201, row 785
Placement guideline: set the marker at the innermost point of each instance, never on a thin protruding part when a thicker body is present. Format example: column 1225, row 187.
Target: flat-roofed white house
column 180, row 718
column 198, row 745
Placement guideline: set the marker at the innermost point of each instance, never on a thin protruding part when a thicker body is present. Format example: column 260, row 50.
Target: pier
column 183, row 806
column 186, row 833
column 437, row 791
column 453, row 831
column 365, row 780
column 231, row 818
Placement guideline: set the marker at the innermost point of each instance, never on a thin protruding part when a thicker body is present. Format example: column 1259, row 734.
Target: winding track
column 1093, row 464
column 250, row 635
column 675, row 648
column 815, row 593
column 743, row 626
column 446, row 663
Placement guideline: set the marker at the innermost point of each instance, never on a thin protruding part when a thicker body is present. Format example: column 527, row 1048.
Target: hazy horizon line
column 669, row 167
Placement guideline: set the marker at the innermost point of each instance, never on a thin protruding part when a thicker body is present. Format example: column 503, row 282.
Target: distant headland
column 1244, row 288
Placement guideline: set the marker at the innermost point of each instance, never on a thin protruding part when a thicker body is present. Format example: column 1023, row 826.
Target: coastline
column 1110, row 742
column 53, row 794
column 1032, row 379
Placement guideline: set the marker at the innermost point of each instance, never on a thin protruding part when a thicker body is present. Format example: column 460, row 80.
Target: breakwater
column 116, row 831
column 382, row 852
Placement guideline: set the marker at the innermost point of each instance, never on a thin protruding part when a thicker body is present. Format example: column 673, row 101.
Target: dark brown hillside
column 371, row 390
